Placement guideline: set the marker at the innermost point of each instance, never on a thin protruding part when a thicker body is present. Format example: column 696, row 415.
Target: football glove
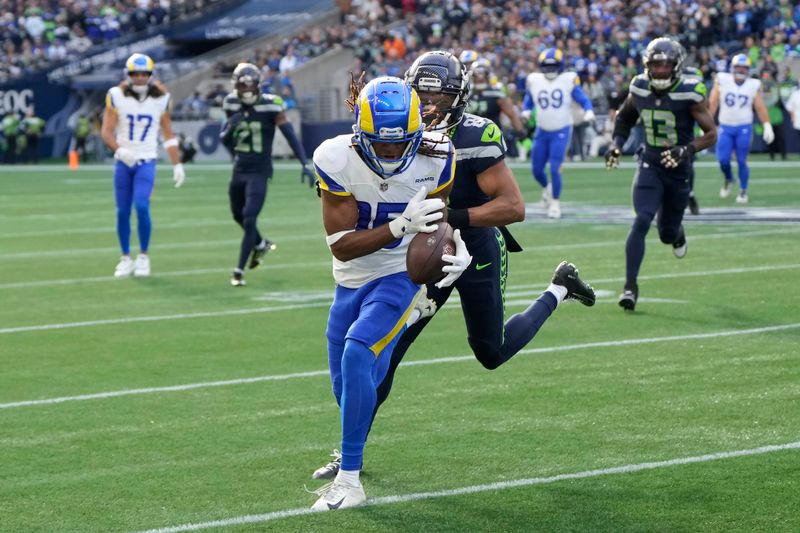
column 612, row 157
column 126, row 155
column 418, row 215
column 178, row 175
column 306, row 173
column 769, row 133
column 672, row 157
column 458, row 263
column 588, row 116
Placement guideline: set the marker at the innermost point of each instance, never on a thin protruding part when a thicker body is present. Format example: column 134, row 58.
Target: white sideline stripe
column 295, row 165
column 202, row 314
column 110, row 229
column 160, row 246
column 175, row 273
column 438, row 360
column 207, row 314
column 573, row 246
column 667, row 275
column 319, row 235
column 487, row 487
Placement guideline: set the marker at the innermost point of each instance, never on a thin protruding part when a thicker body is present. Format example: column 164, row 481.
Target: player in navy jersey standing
column 248, row 134
column 668, row 106
column 485, row 197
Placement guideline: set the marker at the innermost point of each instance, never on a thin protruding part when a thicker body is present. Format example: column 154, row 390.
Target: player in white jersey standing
column 374, row 186
column 136, row 111
column 551, row 92
column 736, row 94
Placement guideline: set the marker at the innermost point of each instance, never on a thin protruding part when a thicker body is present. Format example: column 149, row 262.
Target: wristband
column 170, row 142
column 458, row 218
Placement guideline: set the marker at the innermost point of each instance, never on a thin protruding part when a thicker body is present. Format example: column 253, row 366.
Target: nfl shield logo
column 384, row 186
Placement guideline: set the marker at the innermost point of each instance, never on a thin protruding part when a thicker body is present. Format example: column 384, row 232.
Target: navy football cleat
column 627, row 300
column 566, row 275
column 257, row 257
column 237, row 278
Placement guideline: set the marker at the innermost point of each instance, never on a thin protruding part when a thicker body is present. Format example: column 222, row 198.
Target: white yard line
column 438, row 360
column 175, row 273
column 514, row 291
column 488, row 487
column 293, row 165
column 199, row 243
column 531, row 249
column 158, row 318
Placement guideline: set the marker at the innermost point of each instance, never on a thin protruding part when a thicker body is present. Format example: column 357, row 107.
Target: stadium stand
column 306, row 60
column 39, row 34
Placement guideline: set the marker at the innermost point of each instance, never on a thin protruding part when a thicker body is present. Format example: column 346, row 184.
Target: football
column 424, row 255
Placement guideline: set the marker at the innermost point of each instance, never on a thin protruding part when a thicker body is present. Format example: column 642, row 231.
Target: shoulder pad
column 270, row 102
column 640, row 86
column 231, row 103
column 112, row 96
column 479, row 138
column 692, row 90
column 331, row 155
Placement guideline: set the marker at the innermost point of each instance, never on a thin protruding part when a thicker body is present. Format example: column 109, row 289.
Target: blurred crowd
column 35, row 34
column 602, row 39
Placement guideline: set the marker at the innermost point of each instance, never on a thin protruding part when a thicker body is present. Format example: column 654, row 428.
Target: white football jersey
column 341, row 171
column 138, row 122
column 552, row 99
column 736, row 101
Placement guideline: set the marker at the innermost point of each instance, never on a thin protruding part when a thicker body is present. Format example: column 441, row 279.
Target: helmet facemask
column 661, row 73
column 247, row 83
column 741, row 73
column 388, row 125
column 441, row 73
column 550, row 68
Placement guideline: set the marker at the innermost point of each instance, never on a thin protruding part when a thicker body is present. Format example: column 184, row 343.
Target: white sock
column 262, row 244
column 349, row 477
column 559, row 291
column 412, row 318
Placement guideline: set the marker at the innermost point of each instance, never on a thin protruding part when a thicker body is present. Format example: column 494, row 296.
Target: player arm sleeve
column 626, row 119
column 288, row 131
column 580, row 97
column 527, row 102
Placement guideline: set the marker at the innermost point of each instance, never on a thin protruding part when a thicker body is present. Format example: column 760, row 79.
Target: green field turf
column 128, row 405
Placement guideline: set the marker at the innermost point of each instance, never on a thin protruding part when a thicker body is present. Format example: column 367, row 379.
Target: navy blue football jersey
column 485, row 104
column 252, row 138
column 666, row 116
column 479, row 145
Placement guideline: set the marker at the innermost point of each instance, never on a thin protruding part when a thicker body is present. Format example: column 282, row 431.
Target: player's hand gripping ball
column 424, row 255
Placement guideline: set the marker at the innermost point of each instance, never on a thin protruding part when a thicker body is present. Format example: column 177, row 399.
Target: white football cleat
column 330, row 470
column 742, row 198
column 124, row 267
column 725, row 191
column 338, row 495
column 547, row 196
column 142, row 265
column 679, row 249
column 554, row 211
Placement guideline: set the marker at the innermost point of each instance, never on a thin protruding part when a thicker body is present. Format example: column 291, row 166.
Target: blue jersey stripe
column 330, row 183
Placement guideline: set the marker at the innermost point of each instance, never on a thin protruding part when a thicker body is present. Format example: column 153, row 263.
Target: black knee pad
column 668, row 235
column 249, row 223
column 642, row 223
column 486, row 354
